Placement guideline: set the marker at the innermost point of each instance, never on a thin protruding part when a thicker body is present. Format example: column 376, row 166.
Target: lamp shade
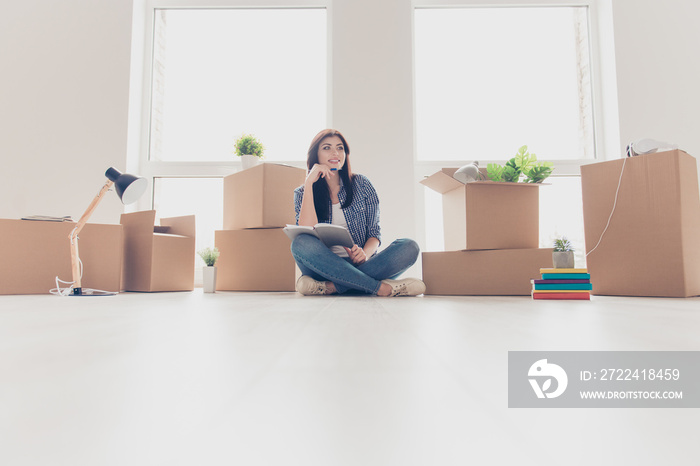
column 648, row 146
column 129, row 187
column 468, row 173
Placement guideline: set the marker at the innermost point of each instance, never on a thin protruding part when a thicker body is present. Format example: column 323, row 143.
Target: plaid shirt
column 362, row 214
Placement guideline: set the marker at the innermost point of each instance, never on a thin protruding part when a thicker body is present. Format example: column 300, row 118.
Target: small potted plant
column 249, row 149
column 563, row 254
column 209, row 256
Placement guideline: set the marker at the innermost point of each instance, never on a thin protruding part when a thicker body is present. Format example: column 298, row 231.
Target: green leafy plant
column 562, row 245
column 538, row 172
column 209, row 256
column 524, row 163
column 511, row 172
column 495, row 171
column 248, row 144
column 524, row 160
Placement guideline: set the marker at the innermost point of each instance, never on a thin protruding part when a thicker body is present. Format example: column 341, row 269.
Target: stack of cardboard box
column 491, row 238
column 258, row 203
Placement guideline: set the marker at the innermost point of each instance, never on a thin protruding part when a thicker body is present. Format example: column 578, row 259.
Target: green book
column 567, row 286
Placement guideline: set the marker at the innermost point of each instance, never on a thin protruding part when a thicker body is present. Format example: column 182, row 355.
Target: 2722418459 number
column 639, row 374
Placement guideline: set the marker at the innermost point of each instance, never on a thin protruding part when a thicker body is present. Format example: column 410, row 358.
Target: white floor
column 277, row 378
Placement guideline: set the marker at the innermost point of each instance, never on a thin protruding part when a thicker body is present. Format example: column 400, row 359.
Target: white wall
column 64, row 93
column 372, row 100
column 657, row 50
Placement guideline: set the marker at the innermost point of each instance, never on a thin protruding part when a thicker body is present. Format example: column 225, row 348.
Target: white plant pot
column 209, row 279
column 249, row 161
column 563, row 259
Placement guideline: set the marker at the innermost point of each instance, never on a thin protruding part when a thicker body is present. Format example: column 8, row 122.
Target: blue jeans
column 316, row 260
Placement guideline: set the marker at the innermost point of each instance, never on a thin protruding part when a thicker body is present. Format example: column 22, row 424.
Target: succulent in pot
column 563, row 254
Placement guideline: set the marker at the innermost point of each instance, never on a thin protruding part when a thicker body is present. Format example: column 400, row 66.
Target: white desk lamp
column 129, row 188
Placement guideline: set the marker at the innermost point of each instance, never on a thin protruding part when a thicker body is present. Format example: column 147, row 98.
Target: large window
column 489, row 80
column 215, row 74
column 218, row 73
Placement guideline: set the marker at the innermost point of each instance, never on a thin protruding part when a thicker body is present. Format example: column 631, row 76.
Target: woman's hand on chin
column 316, row 172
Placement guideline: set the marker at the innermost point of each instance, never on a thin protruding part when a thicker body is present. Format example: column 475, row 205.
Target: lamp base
column 91, row 292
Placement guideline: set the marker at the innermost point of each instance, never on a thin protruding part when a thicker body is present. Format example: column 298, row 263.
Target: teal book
column 568, row 286
column 566, row 276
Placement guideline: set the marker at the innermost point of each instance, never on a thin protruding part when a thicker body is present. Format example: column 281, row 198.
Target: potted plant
column 249, row 149
column 209, row 256
column 563, row 254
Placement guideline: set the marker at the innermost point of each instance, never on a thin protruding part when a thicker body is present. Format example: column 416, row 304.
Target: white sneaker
column 308, row 286
column 406, row 287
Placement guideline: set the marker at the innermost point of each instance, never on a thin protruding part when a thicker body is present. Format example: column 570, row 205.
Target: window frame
column 152, row 169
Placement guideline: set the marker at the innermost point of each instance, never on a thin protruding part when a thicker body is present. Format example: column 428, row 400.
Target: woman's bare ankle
column 384, row 290
column 330, row 288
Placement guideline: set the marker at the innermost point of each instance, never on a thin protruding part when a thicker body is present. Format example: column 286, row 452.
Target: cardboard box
column 487, row 214
column 254, row 260
column 652, row 245
column 33, row 254
column 158, row 261
column 486, row 273
column 261, row 196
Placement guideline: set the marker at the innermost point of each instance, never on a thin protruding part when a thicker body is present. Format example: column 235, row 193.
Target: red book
column 560, row 282
column 536, row 295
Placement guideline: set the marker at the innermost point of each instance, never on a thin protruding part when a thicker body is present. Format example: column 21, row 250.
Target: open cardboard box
column 485, row 273
column 487, row 214
column 652, row 245
column 158, row 261
column 34, row 253
column 261, row 196
column 254, row 260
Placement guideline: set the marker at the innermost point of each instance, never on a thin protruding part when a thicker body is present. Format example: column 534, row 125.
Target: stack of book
column 562, row 284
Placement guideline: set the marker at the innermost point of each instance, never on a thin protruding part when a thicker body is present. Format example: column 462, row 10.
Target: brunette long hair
column 321, row 194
